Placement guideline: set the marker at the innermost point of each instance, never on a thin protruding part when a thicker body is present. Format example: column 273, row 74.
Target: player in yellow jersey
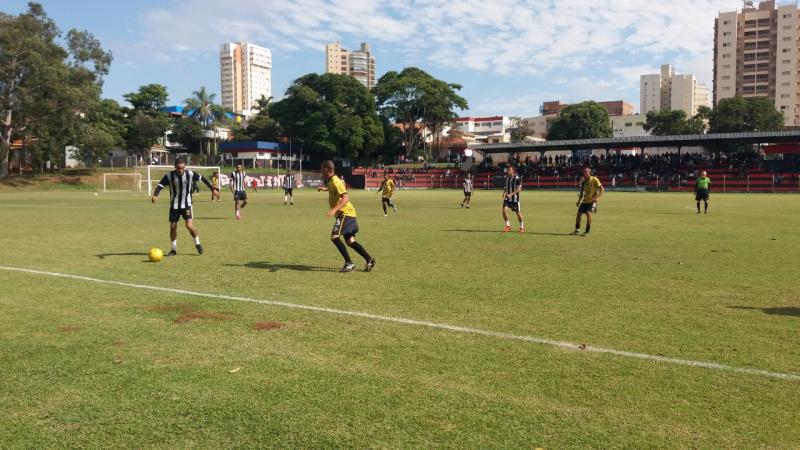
column 345, row 214
column 387, row 190
column 591, row 191
column 215, row 183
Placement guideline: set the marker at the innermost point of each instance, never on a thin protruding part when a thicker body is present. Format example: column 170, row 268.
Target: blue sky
column 510, row 55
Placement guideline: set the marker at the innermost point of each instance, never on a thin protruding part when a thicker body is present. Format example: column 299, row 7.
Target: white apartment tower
column 667, row 91
column 246, row 75
column 359, row 64
column 756, row 55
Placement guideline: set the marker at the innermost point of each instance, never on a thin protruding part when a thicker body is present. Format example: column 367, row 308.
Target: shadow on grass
column 106, row 255
column 274, row 267
column 501, row 232
column 788, row 311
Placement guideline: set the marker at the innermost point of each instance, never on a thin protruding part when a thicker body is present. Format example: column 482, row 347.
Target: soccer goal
column 122, row 182
column 154, row 174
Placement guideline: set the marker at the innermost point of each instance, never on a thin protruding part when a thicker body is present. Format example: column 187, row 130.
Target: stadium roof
column 755, row 137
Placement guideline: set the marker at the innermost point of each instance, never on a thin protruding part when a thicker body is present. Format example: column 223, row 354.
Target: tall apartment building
column 614, row 108
column 359, row 64
column 246, row 75
column 756, row 55
column 667, row 91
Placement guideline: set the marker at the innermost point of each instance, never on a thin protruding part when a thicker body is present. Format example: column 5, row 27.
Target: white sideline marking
column 424, row 323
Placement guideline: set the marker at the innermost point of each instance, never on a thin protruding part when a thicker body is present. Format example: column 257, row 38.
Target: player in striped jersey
column 288, row 188
column 467, row 191
column 238, row 186
column 513, row 186
column 180, row 183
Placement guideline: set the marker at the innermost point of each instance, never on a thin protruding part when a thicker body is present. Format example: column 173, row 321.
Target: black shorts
column 345, row 226
column 386, row 199
column 287, row 191
column 514, row 206
column 701, row 194
column 587, row 208
column 240, row 195
column 467, row 194
column 176, row 214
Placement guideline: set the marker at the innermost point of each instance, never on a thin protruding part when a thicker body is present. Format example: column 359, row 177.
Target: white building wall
column 249, row 76
column 650, row 93
column 786, row 77
column 725, row 56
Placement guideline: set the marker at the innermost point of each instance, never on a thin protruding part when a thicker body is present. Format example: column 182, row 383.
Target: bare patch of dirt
column 69, row 328
column 270, row 325
column 189, row 316
column 118, row 343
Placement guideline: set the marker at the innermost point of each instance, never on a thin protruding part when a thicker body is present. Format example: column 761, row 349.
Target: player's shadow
column 501, row 232
column 106, row 255
column 786, row 311
column 275, row 267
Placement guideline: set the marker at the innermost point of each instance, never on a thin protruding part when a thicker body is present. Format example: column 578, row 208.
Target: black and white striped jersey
column 512, row 184
column 288, row 182
column 467, row 184
column 180, row 188
column 237, row 181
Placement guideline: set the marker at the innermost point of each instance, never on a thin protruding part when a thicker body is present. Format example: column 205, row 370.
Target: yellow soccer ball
column 155, row 255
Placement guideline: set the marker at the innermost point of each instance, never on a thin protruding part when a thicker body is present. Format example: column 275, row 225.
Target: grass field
column 85, row 364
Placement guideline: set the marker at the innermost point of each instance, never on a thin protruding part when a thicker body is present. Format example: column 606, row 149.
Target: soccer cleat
column 462, row 205
column 238, row 215
column 199, row 249
column 575, row 233
column 698, row 212
column 467, row 206
column 385, row 215
column 586, row 234
column 522, row 230
column 395, row 209
column 370, row 265
column 291, row 203
column 506, row 229
column 172, row 253
column 348, row 267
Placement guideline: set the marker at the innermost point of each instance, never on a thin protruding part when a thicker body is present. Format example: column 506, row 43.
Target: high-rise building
column 359, row 64
column 614, row 108
column 756, row 55
column 246, row 75
column 667, row 91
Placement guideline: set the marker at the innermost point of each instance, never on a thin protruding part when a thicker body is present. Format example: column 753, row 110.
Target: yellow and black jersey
column 591, row 189
column 387, row 187
column 336, row 189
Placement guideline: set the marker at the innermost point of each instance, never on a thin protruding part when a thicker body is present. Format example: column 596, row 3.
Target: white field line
column 424, row 323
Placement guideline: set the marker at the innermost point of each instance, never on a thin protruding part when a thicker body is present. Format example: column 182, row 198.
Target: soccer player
column 180, row 201
column 511, row 199
column 215, row 182
column 467, row 191
column 387, row 190
column 345, row 224
column 238, row 186
column 288, row 187
column 591, row 191
column 702, row 189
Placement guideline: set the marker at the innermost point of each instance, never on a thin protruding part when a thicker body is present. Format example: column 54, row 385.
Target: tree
column 149, row 98
column 201, row 107
column 188, row 133
column 737, row 114
column 519, row 130
column 102, row 129
column 586, row 120
column 44, row 86
column 411, row 98
column 262, row 126
column 331, row 114
column 670, row 123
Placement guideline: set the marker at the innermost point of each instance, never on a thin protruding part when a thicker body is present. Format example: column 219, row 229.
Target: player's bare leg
column 351, row 242
column 236, row 209
column 577, row 225
column 193, row 232
column 505, row 219
column 521, row 222
column 705, row 203
column 173, row 237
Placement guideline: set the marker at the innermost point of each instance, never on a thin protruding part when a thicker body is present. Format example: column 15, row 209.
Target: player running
column 591, row 191
column 702, row 190
column 180, row 183
column 238, row 186
column 288, row 187
column 387, row 190
column 215, row 182
column 345, row 224
column 513, row 186
column 467, row 191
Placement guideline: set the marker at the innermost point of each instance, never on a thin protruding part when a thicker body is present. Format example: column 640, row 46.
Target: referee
column 702, row 190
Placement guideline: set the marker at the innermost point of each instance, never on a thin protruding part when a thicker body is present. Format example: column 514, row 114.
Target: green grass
column 90, row 365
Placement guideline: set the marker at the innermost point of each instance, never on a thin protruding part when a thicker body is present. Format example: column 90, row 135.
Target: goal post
column 122, row 182
column 154, row 173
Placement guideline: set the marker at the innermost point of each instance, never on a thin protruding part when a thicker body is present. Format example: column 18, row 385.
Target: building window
column 726, row 22
column 786, row 61
column 728, row 44
column 786, row 16
column 726, row 55
column 786, row 50
column 786, row 72
column 749, row 23
column 785, row 95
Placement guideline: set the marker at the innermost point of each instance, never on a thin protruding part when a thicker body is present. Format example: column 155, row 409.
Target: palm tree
column 201, row 107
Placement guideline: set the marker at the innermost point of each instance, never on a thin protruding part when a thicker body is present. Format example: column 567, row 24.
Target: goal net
column 122, row 182
column 154, row 174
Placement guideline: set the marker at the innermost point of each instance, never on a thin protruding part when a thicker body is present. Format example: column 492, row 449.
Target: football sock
column 343, row 250
column 578, row 225
column 384, row 207
column 698, row 206
column 521, row 224
column 588, row 227
column 706, row 207
column 197, row 240
column 175, row 245
column 508, row 224
column 360, row 250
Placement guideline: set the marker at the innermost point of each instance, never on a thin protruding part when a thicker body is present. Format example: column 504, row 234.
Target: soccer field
column 664, row 329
